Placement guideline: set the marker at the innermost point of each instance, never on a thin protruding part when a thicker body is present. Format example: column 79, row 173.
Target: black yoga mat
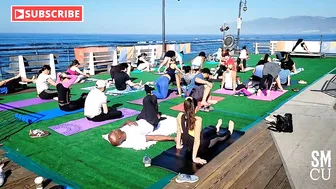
column 180, row 161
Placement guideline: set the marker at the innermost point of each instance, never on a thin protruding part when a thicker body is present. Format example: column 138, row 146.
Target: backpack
column 282, row 123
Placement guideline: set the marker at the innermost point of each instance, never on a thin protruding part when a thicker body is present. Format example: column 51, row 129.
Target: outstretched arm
column 159, row 138
column 179, row 132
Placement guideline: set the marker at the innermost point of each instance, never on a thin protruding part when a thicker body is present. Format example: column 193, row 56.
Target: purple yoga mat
column 273, row 96
column 224, row 91
column 139, row 101
column 79, row 125
column 22, row 103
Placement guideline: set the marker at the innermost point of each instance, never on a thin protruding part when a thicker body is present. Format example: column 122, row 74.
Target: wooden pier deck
column 252, row 162
column 18, row 177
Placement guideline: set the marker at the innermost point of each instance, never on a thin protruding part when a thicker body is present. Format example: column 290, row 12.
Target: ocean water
column 12, row 44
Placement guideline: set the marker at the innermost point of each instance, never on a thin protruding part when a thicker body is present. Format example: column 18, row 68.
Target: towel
column 165, row 127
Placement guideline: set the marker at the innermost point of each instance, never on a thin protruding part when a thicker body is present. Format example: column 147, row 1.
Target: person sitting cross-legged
column 95, row 107
column 123, row 81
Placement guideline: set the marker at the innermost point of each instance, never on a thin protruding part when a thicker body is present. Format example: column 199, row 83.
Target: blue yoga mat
column 44, row 115
column 212, row 63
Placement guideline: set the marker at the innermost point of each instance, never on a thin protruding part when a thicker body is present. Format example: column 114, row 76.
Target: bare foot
column 55, row 98
column 212, row 101
column 231, row 126
column 268, row 93
column 219, row 123
column 140, row 83
column 258, row 93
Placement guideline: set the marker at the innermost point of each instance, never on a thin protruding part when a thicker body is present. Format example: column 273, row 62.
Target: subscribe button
column 47, row 13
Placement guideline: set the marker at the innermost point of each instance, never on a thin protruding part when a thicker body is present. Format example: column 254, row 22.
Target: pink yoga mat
column 180, row 107
column 79, row 125
column 22, row 103
column 273, row 96
column 223, row 91
column 139, row 101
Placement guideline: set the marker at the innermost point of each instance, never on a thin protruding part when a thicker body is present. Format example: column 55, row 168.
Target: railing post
column 52, row 65
column 91, row 64
column 256, row 48
column 22, row 68
column 152, row 55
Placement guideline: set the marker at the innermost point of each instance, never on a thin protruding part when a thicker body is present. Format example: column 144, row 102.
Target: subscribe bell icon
column 19, row 14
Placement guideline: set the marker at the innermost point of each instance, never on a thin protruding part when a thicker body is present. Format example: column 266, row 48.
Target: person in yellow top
column 191, row 135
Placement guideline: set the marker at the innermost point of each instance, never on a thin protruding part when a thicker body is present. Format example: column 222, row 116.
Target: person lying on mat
column 197, row 63
column 200, row 89
column 172, row 54
column 150, row 109
column 287, row 63
column 42, row 84
column 64, row 81
column 132, row 133
column 191, row 135
column 13, row 84
column 270, row 74
column 162, row 83
column 73, row 69
column 95, row 107
column 143, row 64
column 123, row 81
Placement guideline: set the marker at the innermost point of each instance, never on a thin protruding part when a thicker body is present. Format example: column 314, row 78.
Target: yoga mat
column 181, row 162
column 116, row 91
column 44, row 115
column 139, row 101
column 80, row 125
column 180, row 107
column 93, row 87
column 91, row 79
column 249, row 69
column 223, row 91
column 273, row 96
column 22, row 103
column 212, row 63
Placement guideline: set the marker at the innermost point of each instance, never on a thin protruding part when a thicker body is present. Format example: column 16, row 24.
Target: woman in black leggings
column 270, row 74
column 64, row 81
column 189, row 131
column 13, row 84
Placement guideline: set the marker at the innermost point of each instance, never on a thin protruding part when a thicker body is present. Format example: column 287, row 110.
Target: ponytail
column 189, row 109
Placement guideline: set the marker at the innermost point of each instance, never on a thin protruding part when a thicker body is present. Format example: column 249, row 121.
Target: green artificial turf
column 91, row 162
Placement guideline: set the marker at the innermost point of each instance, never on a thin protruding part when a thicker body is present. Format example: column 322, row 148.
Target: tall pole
column 163, row 28
column 238, row 27
column 223, row 36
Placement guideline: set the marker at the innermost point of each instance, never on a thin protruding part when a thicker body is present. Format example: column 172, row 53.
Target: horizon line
column 334, row 33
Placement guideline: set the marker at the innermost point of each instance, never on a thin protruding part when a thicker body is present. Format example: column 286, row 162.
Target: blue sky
column 144, row 16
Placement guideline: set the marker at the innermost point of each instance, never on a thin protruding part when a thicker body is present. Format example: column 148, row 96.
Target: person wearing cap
column 200, row 88
column 63, row 83
column 95, row 108
column 123, row 81
column 197, row 63
column 172, row 54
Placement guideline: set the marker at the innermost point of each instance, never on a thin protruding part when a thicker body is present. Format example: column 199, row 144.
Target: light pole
column 241, row 3
column 223, row 29
column 164, row 27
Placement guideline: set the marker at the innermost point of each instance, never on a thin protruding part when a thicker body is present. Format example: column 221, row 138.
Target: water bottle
column 2, row 174
column 147, row 161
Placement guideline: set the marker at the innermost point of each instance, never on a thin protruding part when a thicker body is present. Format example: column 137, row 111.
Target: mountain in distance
column 290, row 25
